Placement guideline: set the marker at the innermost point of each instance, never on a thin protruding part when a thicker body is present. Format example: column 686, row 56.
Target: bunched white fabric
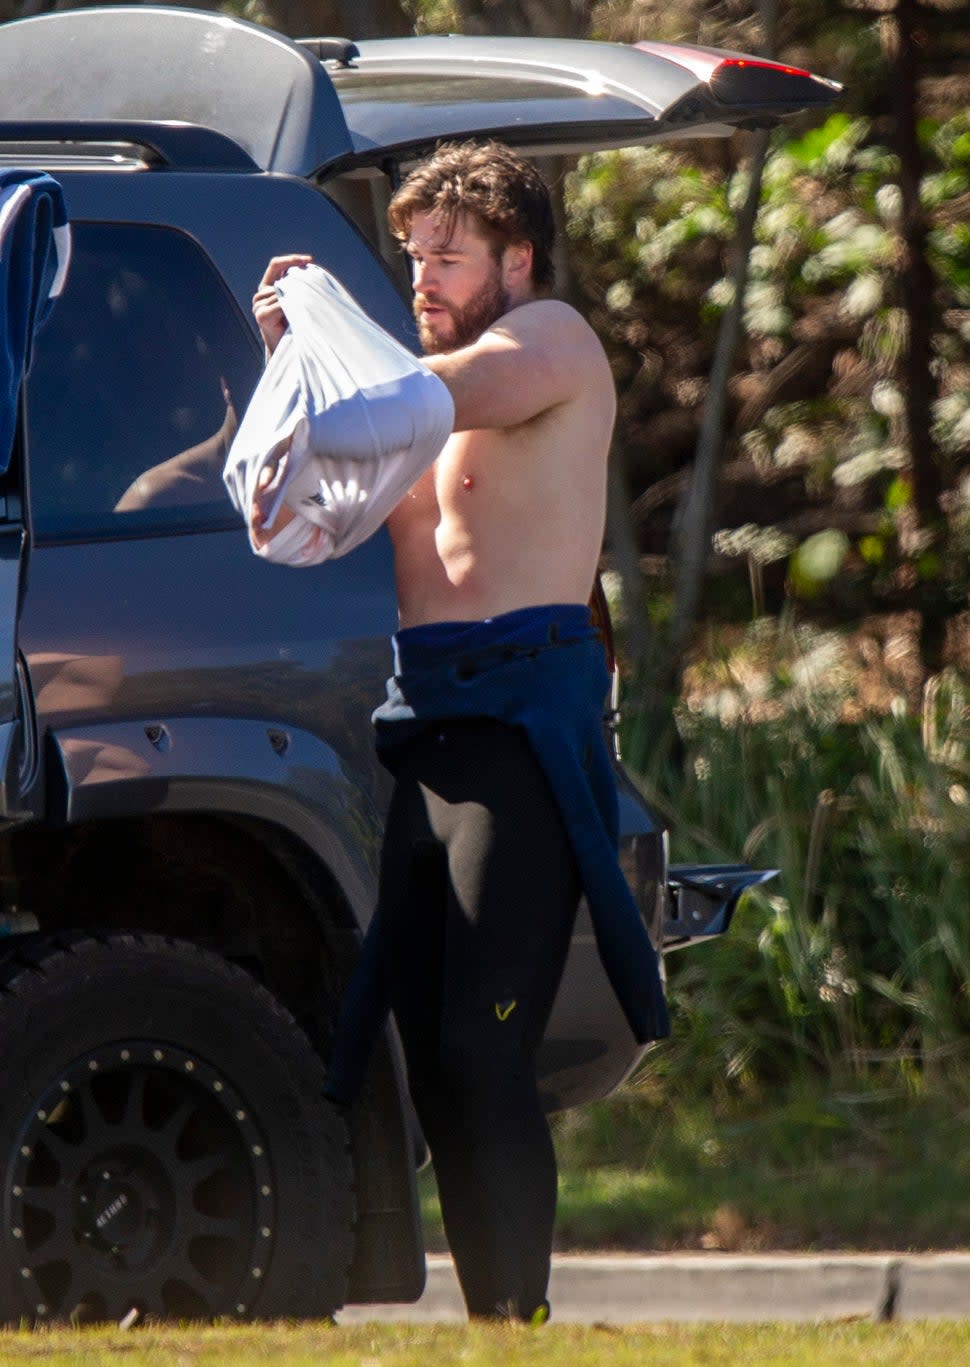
column 346, row 417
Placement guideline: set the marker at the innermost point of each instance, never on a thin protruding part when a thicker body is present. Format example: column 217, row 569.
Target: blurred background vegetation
column 787, row 559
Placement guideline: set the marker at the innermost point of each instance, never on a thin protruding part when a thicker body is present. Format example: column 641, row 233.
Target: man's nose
column 424, row 277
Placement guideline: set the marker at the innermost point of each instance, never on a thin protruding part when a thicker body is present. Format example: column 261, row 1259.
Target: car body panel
column 11, row 551
column 240, row 221
column 281, row 774
column 552, row 95
column 254, row 86
column 703, row 899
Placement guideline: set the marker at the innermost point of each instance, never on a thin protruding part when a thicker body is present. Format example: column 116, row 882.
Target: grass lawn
column 841, row 1345
column 617, row 1208
column 805, row 1172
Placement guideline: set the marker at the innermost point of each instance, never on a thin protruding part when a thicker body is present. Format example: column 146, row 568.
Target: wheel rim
column 140, row 1182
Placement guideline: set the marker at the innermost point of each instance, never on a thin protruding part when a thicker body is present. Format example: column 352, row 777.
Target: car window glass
column 138, row 381
column 364, row 197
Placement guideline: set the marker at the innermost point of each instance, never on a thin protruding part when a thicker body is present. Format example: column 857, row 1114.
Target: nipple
column 468, row 482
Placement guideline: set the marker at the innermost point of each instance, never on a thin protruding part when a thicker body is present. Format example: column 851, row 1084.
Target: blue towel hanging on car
column 35, row 251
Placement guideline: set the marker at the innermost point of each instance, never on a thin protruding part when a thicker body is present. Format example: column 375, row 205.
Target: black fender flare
column 237, row 766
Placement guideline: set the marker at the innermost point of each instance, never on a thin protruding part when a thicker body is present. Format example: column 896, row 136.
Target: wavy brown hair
column 503, row 191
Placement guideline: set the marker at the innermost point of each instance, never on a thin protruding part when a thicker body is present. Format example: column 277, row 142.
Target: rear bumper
column 701, row 900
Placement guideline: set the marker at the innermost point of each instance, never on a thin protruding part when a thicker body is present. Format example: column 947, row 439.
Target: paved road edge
column 740, row 1288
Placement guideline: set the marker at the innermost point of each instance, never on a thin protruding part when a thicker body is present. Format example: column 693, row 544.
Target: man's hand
column 267, row 309
column 267, row 484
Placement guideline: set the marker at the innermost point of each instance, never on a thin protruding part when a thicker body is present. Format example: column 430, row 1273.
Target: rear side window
column 139, row 379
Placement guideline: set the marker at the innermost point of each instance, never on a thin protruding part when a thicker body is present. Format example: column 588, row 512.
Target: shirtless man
column 512, row 512
column 496, row 548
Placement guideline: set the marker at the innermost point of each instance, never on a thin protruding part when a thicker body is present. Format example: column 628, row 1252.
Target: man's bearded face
column 458, row 283
column 461, row 324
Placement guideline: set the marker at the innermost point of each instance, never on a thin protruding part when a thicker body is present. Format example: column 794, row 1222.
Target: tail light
column 735, row 78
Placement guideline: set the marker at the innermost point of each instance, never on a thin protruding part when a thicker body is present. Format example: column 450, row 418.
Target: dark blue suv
column 190, row 807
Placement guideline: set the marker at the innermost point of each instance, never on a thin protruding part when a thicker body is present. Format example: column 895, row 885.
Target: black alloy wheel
column 168, row 1150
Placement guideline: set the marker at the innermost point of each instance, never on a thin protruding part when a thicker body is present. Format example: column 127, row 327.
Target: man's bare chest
column 468, row 462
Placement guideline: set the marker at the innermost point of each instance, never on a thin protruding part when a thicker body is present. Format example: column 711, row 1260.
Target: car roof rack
column 339, row 50
column 132, row 65
column 181, row 146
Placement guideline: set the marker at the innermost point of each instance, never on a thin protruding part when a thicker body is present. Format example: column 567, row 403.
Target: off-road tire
column 166, row 1146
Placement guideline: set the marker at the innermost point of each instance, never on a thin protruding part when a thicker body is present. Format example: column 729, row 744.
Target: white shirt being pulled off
column 356, row 415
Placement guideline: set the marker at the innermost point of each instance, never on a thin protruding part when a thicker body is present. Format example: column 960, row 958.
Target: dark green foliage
column 853, row 964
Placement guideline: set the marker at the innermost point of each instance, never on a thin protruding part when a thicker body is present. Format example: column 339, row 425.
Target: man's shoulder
column 551, row 322
column 541, row 313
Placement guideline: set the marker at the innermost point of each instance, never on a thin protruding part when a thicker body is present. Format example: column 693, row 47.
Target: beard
column 467, row 323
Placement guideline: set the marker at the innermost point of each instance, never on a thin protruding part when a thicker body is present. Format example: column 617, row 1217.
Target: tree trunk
column 917, row 290
column 917, row 287
column 916, row 284
column 692, row 523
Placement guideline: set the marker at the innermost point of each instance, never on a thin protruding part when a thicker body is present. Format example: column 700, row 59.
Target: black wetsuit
column 479, row 890
column 504, row 809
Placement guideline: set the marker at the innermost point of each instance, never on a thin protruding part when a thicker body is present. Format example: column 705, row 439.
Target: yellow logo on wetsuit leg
column 504, row 1009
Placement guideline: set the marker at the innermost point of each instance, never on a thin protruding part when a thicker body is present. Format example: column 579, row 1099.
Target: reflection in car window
column 139, row 378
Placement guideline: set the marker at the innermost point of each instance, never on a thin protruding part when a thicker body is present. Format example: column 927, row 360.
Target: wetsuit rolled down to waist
column 541, row 669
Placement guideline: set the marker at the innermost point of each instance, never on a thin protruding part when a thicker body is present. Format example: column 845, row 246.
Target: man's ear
column 517, row 263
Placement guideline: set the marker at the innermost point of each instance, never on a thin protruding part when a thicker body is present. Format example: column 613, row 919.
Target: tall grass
column 854, row 963
column 815, row 1092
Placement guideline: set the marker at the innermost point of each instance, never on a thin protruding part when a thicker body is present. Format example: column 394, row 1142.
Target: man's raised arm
column 528, row 362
